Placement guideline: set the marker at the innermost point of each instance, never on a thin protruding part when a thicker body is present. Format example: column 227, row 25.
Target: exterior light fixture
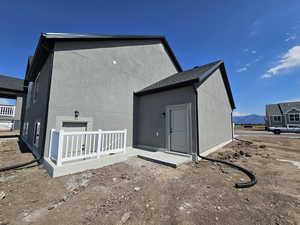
column 76, row 113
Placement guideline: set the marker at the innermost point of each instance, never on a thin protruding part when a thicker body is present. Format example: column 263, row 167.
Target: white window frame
column 36, row 133
column 294, row 115
column 25, row 129
column 276, row 116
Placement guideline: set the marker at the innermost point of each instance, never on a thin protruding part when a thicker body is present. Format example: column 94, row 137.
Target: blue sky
column 258, row 40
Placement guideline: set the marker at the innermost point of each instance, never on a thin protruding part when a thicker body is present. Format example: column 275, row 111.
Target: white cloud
column 291, row 100
column 235, row 113
column 243, row 69
column 266, row 75
column 247, row 50
column 258, row 58
column 289, row 60
column 290, row 37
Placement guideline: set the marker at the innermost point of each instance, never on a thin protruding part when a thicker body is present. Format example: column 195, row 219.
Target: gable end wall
column 99, row 78
column 214, row 113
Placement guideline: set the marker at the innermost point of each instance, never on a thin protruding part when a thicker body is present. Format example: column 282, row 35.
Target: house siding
column 37, row 110
column 214, row 113
column 150, row 122
column 286, row 108
column 98, row 78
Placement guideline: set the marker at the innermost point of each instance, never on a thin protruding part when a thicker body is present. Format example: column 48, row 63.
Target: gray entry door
column 178, row 129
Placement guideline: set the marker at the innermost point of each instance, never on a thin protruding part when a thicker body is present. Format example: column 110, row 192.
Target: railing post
column 14, row 111
column 99, row 143
column 60, row 147
column 125, row 139
column 50, row 146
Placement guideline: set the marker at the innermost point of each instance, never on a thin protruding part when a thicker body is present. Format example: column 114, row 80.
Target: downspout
column 232, row 127
column 252, row 177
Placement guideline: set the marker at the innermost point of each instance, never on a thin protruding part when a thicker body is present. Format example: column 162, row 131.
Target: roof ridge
column 98, row 35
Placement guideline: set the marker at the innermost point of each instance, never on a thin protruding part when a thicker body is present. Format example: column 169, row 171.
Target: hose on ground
column 251, row 175
column 20, row 165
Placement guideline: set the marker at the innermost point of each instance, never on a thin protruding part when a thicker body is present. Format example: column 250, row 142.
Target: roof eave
column 166, row 88
column 47, row 46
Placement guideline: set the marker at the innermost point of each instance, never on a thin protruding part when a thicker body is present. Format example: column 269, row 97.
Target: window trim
column 277, row 116
column 36, row 133
column 294, row 115
column 25, row 129
column 29, row 93
column 36, row 89
column 293, row 108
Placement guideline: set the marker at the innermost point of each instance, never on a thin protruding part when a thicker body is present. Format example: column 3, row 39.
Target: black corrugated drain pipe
column 20, row 165
column 251, row 175
column 17, row 166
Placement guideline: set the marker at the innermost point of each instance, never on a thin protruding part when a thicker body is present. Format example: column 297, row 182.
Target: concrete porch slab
column 94, row 163
column 164, row 158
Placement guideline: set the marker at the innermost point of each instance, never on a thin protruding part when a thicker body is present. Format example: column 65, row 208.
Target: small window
column 36, row 90
column 277, row 118
column 36, row 135
column 294, row 117
column 25, row 129
column 28, row 97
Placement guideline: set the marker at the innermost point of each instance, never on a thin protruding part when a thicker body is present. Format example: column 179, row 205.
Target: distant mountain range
column 249, row 119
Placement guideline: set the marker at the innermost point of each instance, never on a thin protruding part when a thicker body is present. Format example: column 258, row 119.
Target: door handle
column 171, row 130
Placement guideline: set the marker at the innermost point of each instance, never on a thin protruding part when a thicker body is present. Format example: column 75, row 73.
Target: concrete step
column 164, row 158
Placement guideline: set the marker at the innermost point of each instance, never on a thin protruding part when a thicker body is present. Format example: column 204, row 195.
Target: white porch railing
column 7, row 110
column 69, row 146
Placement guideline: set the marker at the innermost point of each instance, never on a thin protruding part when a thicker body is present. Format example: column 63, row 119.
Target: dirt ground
column 140, row 192
column 237, row 128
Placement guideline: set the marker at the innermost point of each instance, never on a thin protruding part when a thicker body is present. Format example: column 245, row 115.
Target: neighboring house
column 10, row 115
column 285, row 114
column 80, row 82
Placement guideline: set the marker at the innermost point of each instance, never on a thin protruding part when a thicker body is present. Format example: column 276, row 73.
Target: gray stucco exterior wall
column 37, row 110
column 98, row 78
column 214, row 113
column 150, row 118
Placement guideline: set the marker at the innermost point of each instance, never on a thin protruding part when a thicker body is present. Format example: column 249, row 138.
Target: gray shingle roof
column 11, row 83
column 275, row 109
column 197, row 74
column 182, row 77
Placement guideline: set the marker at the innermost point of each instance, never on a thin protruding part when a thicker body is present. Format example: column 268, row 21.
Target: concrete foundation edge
column 215, row 148
column 151, row 148
column 76, row 167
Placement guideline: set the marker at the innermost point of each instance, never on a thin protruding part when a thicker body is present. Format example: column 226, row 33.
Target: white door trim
column 188, row 108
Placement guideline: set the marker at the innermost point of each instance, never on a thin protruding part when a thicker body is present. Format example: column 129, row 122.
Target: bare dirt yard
column 140, row 192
